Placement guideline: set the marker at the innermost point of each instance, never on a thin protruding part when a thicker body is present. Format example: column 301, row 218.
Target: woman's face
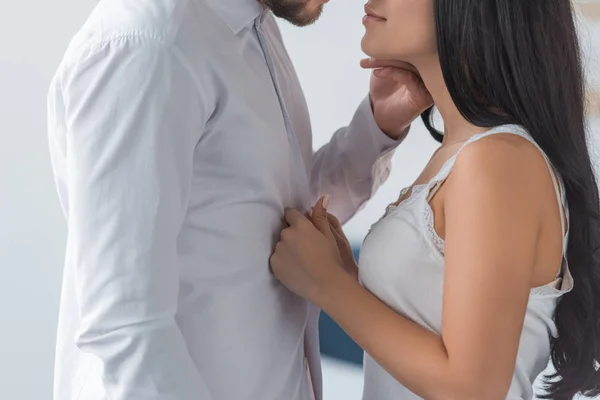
column 400, row 30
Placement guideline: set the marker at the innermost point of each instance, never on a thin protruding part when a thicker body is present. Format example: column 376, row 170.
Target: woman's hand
column 398, row 95
column 307, row 259
column 344, row 246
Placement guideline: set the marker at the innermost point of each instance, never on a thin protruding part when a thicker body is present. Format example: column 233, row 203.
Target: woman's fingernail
column 326, row 201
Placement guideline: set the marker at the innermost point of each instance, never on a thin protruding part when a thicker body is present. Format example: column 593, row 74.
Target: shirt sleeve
column 133, row 117
column 354, row 164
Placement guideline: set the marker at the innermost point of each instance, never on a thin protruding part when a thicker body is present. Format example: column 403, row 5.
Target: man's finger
column 397, row 74
column 370, row 63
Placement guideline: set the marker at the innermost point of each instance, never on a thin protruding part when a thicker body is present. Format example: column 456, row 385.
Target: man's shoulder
column 169, row 22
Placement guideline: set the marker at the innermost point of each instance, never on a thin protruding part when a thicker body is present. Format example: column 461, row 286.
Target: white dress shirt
column 178, row 135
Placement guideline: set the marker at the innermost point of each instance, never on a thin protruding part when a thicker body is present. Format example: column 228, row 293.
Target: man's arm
column 353, row 165
column 134, row 116
column 358, row 158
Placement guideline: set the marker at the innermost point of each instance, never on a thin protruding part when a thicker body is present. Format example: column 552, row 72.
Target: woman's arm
column 492, row 227
column 491, row 234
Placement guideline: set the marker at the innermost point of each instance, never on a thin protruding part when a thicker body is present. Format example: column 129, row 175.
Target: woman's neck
column 456, row 127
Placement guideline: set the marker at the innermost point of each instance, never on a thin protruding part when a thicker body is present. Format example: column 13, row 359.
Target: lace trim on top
column 437, row 241
column 558, row 287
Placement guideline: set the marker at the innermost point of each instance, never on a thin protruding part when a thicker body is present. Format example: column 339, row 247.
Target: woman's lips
column 371, row 16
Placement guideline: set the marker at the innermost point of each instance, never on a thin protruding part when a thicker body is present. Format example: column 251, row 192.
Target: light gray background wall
column 33, row 36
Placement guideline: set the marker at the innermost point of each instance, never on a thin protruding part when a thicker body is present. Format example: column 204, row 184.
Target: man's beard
column 293, row 11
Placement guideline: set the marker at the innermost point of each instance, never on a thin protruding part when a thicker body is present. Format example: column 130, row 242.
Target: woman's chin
column 372, row 48
column 375, row 47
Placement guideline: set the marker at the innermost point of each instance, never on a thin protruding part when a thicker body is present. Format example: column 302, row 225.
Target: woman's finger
column 293, row 217
column 335, row 223
column 319, row 217
column 338, row 232
column 338, row 238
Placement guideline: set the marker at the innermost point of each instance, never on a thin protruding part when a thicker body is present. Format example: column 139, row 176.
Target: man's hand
column 398, row 95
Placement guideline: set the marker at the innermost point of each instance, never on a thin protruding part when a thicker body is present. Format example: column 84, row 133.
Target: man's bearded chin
column 294, row 11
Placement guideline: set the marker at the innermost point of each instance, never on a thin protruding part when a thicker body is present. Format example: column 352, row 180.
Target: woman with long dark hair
column 488, row 266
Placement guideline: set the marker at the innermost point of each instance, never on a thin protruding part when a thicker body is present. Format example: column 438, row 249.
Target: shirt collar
column 237, row 14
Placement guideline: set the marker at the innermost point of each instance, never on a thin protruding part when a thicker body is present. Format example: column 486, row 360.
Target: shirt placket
column 298, row 173
column 299, row 177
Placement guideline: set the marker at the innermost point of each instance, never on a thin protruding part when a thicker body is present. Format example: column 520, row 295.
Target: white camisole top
column 402, row 263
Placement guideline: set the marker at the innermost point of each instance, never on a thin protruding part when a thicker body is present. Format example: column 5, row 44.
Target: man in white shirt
column 178, row 135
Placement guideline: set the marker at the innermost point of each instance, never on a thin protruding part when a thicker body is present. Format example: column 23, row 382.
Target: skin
column 497, row 212
column 298, row 12
column 398, row 94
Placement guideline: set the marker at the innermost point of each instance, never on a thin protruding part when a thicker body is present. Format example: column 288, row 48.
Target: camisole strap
column 559, row 189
